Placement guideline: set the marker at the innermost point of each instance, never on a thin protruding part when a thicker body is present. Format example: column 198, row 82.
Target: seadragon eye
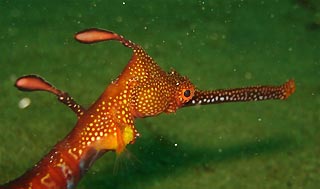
column 187, row 93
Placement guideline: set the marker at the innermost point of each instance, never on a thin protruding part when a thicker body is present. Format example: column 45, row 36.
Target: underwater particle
column 119, row 19
column 175, row 144
column 24, row 103
column 259, row 119
column 248, row 75
column 271, row 15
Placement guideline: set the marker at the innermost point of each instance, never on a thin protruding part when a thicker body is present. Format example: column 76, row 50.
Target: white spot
column 199, row 102
column 222, row 98
column 24, row 103
column 212, row 100
column 175, row 144
column 259, row 119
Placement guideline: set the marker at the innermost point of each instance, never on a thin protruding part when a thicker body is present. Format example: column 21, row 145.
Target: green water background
column 217, row 44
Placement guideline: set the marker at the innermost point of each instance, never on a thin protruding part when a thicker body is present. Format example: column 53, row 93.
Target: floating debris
column 24, row 103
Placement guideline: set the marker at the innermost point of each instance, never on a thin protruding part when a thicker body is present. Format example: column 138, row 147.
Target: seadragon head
column 181, row 93
column 164, row 92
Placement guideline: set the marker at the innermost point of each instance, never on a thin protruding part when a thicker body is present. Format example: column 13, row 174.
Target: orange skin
column 142, row 89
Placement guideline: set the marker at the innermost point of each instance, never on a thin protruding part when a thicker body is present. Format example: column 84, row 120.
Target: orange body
column 142, row 89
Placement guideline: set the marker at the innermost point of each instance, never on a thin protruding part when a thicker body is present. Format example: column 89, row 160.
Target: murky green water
column 217, row 44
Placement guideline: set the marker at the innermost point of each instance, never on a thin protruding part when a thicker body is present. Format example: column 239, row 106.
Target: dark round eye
column 187, row 93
